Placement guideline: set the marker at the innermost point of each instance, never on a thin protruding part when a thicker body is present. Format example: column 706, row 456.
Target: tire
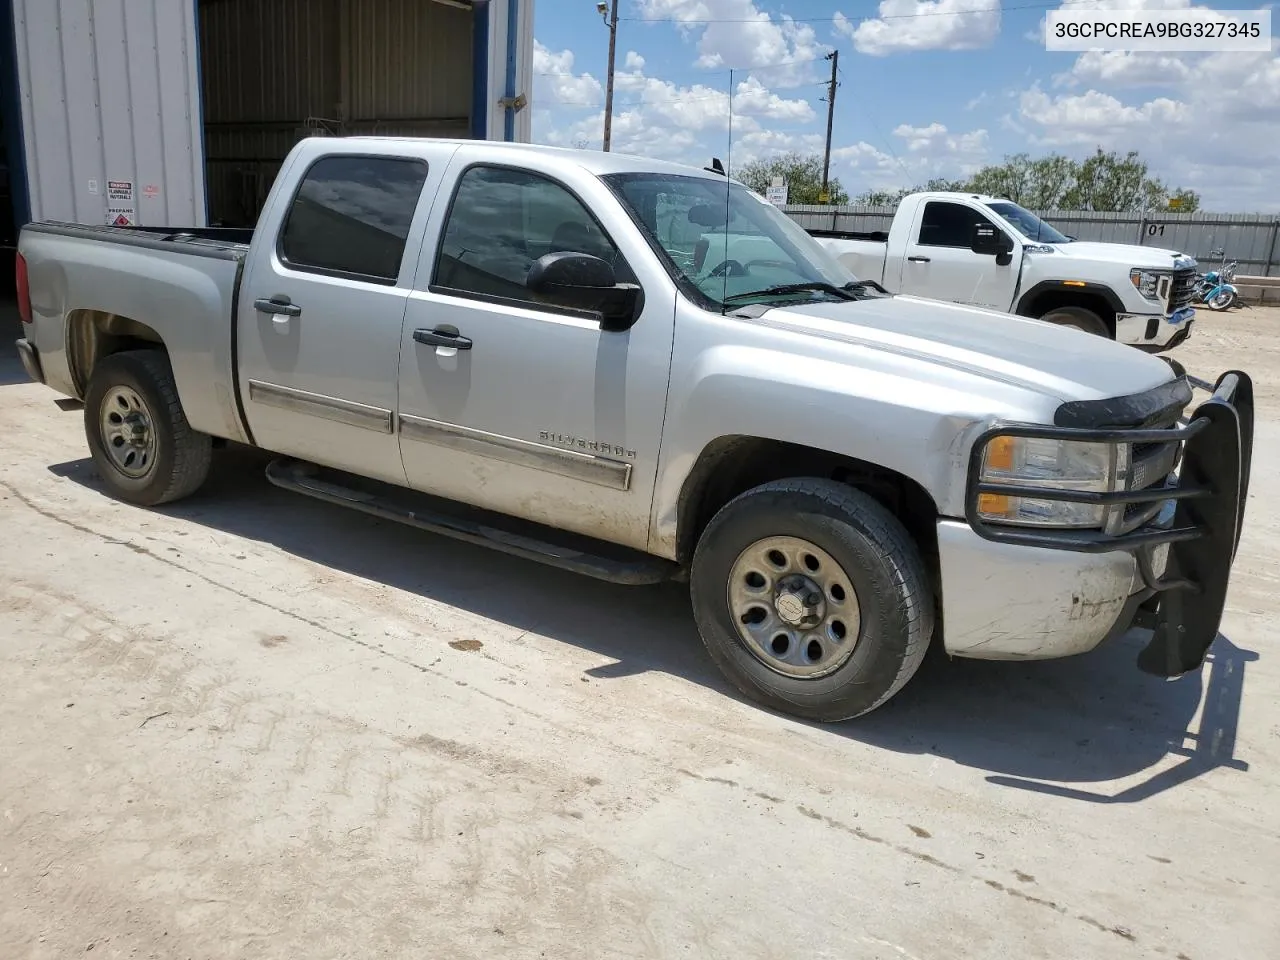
column 889, row 624
column 1223, row 301
column 132, row 391
column 1080, row 318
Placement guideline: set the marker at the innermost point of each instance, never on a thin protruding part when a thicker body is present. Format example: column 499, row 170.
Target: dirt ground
column 253, row 725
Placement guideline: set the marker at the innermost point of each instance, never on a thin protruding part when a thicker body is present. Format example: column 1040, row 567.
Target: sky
column 927, row 88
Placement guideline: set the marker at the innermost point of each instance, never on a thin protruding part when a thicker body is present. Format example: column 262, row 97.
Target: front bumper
column 1155, row 330
column 1051, row 592
column 30, row 357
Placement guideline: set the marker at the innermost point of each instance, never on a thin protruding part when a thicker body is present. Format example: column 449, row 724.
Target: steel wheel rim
column 1221, row 301
column 794, row 607
column 127, row 433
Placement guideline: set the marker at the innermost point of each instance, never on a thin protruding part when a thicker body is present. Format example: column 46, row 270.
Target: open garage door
column 276, row 71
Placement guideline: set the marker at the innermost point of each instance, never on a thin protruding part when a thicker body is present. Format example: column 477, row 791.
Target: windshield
column 727, row 244
column 1027, row 223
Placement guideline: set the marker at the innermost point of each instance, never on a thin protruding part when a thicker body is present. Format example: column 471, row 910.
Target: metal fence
column 1249, row 238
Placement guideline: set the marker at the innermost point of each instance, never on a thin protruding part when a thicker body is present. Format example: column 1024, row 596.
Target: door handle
column 279, row 306
column 441, row 337
column 919, row 259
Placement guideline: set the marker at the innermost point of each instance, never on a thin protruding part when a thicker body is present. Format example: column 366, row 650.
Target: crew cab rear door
column 323, row 300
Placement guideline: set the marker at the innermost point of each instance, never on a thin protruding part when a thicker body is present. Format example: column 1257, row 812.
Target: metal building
column 178, row 112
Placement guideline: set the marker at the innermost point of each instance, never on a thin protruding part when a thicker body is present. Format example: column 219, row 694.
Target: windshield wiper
column 844, row 293
column 855, row 285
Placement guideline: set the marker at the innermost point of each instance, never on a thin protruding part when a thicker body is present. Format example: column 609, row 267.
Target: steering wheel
column 730, row 268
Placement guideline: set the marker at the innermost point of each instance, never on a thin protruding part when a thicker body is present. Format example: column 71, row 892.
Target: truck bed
column 863, row 254
column 176, row 286
column 878, row 236
column 223, row 242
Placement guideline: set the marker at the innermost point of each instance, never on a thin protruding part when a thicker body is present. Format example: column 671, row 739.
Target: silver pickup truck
column 550, row 353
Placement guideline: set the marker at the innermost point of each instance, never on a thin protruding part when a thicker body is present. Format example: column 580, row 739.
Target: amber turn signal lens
column 1000, row 454
column 994, row 505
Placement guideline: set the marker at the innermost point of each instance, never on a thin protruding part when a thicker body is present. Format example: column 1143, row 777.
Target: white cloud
column 751, row 98
column 1095, row 116
column 1125, row 68
column 930, row 151
column 905, row 25
column 1215, row 134
column 555, row 81
column 738, row 35
column 659, row 118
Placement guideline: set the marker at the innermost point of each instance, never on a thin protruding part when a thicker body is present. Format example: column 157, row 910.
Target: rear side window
column 949, row 224
column 351, row 216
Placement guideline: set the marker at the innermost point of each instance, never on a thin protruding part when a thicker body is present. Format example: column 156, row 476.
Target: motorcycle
column 1215, row 289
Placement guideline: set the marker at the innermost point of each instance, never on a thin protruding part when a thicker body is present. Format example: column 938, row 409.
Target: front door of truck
column 521, row 407
column 321, row 310
column 940, row 265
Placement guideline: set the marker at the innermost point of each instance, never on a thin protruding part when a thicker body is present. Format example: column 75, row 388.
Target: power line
column 700, row 71
column 899, row 16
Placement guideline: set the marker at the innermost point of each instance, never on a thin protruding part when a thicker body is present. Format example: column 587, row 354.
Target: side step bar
column 567, row 551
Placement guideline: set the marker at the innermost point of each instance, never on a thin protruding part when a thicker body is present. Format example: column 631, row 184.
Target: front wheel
column 1078, row 317
column 1221, row 301
column 142, row 445
column 812, row 599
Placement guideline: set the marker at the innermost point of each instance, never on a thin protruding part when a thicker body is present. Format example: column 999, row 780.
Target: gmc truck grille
column 1181, row 290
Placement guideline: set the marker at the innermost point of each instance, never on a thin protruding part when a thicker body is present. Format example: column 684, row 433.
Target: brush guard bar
column 1208, row 495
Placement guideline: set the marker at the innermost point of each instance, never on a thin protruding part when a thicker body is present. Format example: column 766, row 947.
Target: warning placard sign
column 122, row 206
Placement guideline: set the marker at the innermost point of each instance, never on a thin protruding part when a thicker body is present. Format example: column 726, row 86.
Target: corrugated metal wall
column 1252, row 239
column 109, row 91
column 275, row 71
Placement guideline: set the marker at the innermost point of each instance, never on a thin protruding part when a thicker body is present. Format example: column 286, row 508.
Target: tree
column 1184, row 201
column 1105, row 181
column 802, row 174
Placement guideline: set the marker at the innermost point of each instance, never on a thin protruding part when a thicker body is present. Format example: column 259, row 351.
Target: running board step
column 603, row 561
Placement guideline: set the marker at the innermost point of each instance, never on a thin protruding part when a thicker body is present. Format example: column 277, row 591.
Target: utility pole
column 834, row 57
column 610, row 21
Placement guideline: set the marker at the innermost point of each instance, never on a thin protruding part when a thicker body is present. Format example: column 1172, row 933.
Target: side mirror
column 580, row 281
column 991, row 242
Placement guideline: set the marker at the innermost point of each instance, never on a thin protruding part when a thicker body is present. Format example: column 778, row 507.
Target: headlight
column 1059, row 464
column 1153, row 286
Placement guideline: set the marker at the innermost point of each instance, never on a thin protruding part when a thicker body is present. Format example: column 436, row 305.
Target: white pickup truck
column 989, row 252
column 553, row 353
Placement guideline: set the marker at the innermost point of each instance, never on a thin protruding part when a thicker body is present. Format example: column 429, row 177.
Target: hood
column 1125, row 254
column 1055, row 362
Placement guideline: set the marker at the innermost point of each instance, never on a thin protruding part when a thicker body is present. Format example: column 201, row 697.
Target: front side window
column 949, row 224
column 502, row 221
column 351, row 216
column 1027, row 223
column 726, row 245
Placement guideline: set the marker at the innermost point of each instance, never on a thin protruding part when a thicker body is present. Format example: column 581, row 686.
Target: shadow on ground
column 11, row 369
column 1059, row 727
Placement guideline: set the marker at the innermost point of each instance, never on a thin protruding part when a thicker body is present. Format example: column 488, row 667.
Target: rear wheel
column 1080, row 318
column 812, row 598
column 142, row 445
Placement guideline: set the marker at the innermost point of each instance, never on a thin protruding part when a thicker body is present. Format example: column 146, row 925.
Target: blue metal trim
column 199, row 92
column 513, row 25
column 15, row 144
column 480, row 69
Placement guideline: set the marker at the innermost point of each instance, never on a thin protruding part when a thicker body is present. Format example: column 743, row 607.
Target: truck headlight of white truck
column 1152, row 285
